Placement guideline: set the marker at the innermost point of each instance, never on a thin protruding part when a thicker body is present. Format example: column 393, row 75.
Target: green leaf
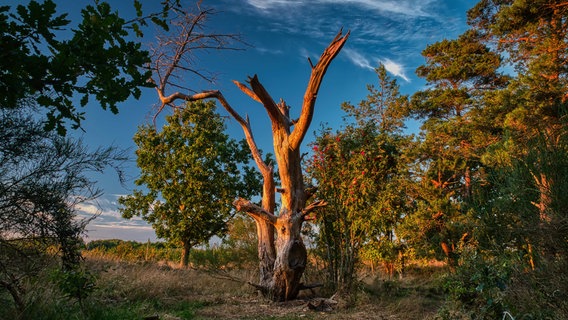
column 84, row 100
column 162, row 23
column 138, row 7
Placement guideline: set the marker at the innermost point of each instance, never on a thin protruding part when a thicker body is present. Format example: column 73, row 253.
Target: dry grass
column 158, row 287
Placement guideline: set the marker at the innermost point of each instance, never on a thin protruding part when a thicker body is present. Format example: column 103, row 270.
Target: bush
column 477, row 289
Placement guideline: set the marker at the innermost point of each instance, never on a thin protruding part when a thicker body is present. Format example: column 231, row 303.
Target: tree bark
column 184, row 261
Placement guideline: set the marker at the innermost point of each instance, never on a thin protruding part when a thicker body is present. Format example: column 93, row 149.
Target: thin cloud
column 412, row 8
column 271, row 4
column 105, row 211
column 395, row 69
column 305, row 54
column 357, row 59
column 120, row 226
column 263, row 50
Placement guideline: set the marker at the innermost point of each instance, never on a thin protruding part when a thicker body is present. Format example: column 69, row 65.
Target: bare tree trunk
column 291, row 254
column 282, row 259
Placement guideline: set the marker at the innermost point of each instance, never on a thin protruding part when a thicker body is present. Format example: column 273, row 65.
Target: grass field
column 173, row 293
column 158, row 290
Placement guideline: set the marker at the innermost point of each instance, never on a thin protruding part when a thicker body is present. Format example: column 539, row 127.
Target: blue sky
column 282, row 35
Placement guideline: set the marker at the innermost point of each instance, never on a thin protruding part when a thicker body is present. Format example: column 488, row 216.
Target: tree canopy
column 191, row 174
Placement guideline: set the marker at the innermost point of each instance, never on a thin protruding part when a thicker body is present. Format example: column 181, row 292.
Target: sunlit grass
column 151, row 290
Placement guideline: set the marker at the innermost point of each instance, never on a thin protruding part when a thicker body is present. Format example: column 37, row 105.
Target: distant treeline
column 221, row 256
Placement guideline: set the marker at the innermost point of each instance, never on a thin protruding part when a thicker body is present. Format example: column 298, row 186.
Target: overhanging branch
column 216, row 94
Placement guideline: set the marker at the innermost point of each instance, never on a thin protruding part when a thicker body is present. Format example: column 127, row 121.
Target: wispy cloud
column 264, row 50
column 358, row 59
column 108, row 221
column 413, row 8
column 105, row 211
column 304, row 54
column 395, row 69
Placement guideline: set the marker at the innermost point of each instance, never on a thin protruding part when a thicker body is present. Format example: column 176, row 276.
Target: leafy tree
column 534, row 36
column 517, row 250
column 192, row 175
column 360, row 170
column 384, row 108
column 455, row 133
column 43, row 177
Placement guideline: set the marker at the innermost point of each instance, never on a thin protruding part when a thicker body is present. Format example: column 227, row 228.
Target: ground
column 160, row 291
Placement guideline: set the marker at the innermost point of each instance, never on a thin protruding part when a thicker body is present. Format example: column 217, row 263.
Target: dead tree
column 281, row 251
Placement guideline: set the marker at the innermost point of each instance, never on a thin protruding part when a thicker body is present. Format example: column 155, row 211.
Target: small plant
column 76, row 284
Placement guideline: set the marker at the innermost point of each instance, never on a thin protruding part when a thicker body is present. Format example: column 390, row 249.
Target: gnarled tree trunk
column 283, row 281
column 282, row 258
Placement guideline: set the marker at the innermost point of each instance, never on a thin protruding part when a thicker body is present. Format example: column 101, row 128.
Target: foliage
column 359, row 171
column 43, row 179
column 76, row 283
column 191, row 172
column 241, row 237
column 43, row 68
column 225, row 256
column 454, row 135
column 515, row 214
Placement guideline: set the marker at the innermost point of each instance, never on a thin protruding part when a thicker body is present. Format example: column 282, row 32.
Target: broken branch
column 316, row 77
column 311, row 207
column 254, row 210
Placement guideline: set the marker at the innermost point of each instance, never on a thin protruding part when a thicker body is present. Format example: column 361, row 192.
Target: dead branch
column 247, row 91
column 221, row 274
column 245, row 124
column 311, row 207
column 310, row 96
column 254, row 210
column 175, row 53
column 269, row 104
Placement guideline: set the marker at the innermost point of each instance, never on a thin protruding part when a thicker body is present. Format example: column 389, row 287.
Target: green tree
column 454, row 135
column 520, row 211
column 534, row 36
column 360, row 170
column 191, row 170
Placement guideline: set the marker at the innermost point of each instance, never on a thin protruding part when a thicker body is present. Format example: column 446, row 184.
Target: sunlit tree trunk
column 282, row 258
